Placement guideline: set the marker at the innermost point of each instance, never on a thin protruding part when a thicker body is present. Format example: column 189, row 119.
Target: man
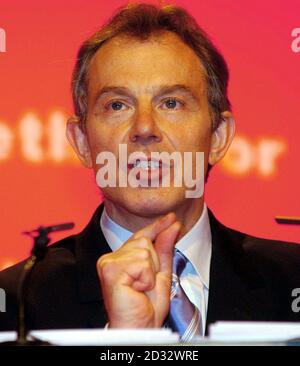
column 151, row 80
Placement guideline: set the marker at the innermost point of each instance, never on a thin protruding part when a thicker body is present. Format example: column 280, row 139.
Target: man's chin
column 149, row 202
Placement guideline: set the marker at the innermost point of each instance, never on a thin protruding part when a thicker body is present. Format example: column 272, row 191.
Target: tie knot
column 179, row 263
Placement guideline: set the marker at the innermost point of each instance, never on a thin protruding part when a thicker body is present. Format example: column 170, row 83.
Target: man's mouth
column 148, row 169
column 145, row 164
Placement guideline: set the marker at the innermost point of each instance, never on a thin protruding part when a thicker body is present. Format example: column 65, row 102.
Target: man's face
column 151, row 96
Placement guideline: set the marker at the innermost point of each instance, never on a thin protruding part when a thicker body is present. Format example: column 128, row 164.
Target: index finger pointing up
column 152, row 230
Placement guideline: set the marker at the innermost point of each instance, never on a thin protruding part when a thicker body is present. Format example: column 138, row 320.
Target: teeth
column 146, row 165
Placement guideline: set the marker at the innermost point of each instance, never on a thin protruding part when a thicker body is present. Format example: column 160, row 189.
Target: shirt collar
column 115, row 234
column 195, row 245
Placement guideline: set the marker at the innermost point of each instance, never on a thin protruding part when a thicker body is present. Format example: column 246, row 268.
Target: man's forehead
column 162, row 38
column 167, row 44
column 149, row 62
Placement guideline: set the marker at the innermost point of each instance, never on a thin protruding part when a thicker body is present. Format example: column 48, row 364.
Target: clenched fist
column 136, row 278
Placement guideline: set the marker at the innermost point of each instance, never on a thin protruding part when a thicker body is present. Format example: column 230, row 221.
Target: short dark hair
column 141, row 21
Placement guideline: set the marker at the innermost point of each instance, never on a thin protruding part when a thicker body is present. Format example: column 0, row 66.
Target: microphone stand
column 38, row 252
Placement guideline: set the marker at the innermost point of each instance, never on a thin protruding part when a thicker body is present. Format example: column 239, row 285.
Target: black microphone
column 39, row 250
column 50, row 229
column 287, row 220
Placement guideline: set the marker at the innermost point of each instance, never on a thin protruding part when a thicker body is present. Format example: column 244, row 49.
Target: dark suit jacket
column 250, row 279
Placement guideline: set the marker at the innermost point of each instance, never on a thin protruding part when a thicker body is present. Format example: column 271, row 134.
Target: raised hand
column 136, row 279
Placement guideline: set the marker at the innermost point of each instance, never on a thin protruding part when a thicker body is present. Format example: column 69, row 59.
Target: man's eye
column 172, row 103
column 116, row 105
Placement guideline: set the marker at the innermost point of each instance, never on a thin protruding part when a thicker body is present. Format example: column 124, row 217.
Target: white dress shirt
column 195, row 245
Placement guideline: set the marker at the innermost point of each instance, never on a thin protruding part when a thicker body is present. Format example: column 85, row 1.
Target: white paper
column 254, row 331
column 98, row 337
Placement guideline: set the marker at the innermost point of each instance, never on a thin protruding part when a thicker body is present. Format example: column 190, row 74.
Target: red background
column 42, row 39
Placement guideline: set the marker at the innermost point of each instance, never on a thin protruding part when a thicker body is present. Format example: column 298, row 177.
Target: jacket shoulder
column 278, row 259
column 268, row 249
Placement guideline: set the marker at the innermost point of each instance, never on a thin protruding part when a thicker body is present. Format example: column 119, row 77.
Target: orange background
column 41, row 181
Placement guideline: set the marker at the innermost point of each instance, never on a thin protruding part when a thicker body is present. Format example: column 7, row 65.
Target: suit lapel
column 90, row 245
column 236, row 290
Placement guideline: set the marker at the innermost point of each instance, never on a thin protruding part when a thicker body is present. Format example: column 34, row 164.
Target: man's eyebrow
column 168, row 89
column 113, row 89
column 159, row 91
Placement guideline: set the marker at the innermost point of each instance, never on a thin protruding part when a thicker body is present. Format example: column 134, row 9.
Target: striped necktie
column 184, row 317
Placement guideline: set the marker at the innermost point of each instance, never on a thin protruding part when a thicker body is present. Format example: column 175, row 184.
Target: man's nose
column 144, row 130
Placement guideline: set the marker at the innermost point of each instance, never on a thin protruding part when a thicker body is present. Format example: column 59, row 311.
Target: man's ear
column 77, row 137
column 221, row 138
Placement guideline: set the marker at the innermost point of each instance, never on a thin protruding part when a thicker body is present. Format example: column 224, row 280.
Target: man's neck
column 187, row 214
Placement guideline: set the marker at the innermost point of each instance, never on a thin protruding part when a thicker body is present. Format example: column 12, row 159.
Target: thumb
column 164, row 246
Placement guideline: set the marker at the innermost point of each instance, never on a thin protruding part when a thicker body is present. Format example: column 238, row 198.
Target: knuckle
column 145, row 242
column 106, row 267
column 100, row 260
column 148, row 242
column 149, row 276
column 147, row 268
column 145, row 254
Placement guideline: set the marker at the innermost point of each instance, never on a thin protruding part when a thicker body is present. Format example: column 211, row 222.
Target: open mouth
column 146, row 164
column 148, row 170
